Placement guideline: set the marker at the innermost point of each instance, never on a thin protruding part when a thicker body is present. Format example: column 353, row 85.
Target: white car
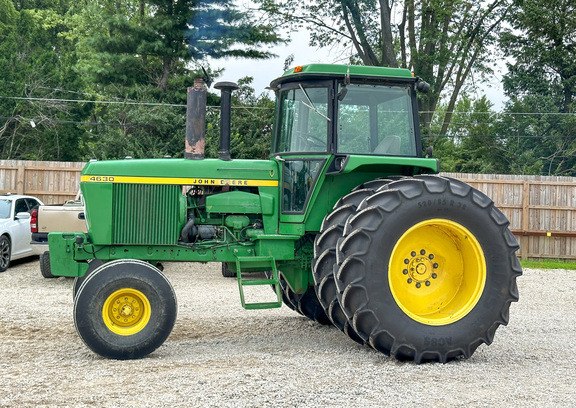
column 15, row 232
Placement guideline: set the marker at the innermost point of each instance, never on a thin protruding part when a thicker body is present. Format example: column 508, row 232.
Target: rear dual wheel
column 325, row 253
column 426, row 269
column 125, row 309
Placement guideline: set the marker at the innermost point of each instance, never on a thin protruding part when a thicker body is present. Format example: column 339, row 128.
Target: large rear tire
column 306, row 304
column 427, row 269
column 125, row 309
column 325, row 253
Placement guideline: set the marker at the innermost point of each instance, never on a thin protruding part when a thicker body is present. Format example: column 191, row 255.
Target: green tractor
column 347, row 219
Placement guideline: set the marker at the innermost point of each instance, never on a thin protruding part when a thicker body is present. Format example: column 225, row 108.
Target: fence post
column 524, row 240
column 20, row 179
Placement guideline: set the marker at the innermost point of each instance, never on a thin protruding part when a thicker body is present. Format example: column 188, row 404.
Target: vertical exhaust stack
column 195, row 121
column 226, row 89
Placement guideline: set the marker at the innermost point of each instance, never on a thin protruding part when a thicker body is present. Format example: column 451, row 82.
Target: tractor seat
column 389, row 145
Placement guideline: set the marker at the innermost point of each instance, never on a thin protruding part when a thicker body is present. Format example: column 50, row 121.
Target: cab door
column 303, row 138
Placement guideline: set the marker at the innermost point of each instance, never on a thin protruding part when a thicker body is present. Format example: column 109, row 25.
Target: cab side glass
column 376, row 120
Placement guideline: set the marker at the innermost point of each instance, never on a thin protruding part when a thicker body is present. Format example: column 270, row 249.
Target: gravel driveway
column 220, row 355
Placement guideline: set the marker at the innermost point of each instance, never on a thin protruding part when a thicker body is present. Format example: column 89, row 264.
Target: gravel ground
column 220, row 355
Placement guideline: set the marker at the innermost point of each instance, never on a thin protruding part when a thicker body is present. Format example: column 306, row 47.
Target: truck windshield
column 304, row 119
column 375, row 120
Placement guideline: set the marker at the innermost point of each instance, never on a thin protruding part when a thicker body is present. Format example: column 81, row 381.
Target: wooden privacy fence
column 51, row 182
column 541, row 209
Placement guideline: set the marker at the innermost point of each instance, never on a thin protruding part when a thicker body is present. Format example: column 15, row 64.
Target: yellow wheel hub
column 126, row 311
column 437, row 272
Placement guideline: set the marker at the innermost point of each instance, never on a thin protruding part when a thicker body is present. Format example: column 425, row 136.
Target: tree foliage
column 442, row 41
column 541, row 83
column 127, row 64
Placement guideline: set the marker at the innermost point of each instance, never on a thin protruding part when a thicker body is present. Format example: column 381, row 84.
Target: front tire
column 79, row 280
column 125, row 309
column 427, row 269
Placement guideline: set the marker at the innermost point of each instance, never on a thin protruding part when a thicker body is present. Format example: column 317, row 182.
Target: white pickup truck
column 50, row 218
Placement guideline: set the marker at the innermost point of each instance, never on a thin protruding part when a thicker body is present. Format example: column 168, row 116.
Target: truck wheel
column 92, row 265
column 325, row 253
column 4, row 253
column 427, row 269
column 45, row 265
column 125, row 309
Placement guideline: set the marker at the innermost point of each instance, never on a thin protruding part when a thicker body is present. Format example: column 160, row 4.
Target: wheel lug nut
column 427, row 283
column 409, row 280
column 431, row 256
column 413, row 253
column 418, row 284
column 422, row 252
column 406, row 261
column 405, row 271
column 435, row 266
column 434, row 276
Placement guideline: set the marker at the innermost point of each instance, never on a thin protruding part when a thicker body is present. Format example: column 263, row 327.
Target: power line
column 500, row 136
column 122, row 102
column 90, row 101
column 72, row 122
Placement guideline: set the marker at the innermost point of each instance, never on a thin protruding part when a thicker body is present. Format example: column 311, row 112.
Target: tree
column 541, row 82
column 251, row 124
column 149, row 52
column 442, row 41
column 36, row 63
column 542, row 44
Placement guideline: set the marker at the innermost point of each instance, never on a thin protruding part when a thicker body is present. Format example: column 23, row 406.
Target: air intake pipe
column 195, row 121
column 226, row 89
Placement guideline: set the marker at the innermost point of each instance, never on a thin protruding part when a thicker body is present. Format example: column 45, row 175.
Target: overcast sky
column 265, row 71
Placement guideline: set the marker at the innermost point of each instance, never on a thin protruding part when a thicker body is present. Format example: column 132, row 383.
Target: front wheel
column 125, row 309
column 427, row 269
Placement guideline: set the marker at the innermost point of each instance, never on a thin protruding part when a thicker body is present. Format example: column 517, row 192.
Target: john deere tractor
column 348, row 221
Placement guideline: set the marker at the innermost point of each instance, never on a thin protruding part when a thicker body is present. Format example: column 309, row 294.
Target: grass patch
column 548, row 264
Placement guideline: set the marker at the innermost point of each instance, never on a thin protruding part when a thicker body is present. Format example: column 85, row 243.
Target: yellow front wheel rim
column 437, row 272
column 126, row 311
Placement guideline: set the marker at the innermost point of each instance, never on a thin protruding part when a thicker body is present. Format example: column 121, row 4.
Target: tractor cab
column 346, row 110
column 329, row 113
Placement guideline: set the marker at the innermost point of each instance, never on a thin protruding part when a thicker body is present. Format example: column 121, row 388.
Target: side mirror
column 23, row 216
column 422, row 86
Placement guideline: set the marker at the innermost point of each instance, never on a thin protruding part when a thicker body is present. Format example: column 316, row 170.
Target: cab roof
column 324, row 71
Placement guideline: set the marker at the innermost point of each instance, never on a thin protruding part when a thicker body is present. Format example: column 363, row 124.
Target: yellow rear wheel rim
column 126, row 311
column 437, row 272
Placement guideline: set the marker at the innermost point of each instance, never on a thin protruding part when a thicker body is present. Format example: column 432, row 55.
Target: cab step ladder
column 258, row 264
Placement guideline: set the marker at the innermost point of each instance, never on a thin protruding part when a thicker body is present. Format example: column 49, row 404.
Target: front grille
column 145, row 214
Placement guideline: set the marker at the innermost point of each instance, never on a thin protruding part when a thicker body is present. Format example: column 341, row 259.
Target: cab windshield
column 303, row 120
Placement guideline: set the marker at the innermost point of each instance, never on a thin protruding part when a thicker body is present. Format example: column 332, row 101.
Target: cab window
column 375, row 120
